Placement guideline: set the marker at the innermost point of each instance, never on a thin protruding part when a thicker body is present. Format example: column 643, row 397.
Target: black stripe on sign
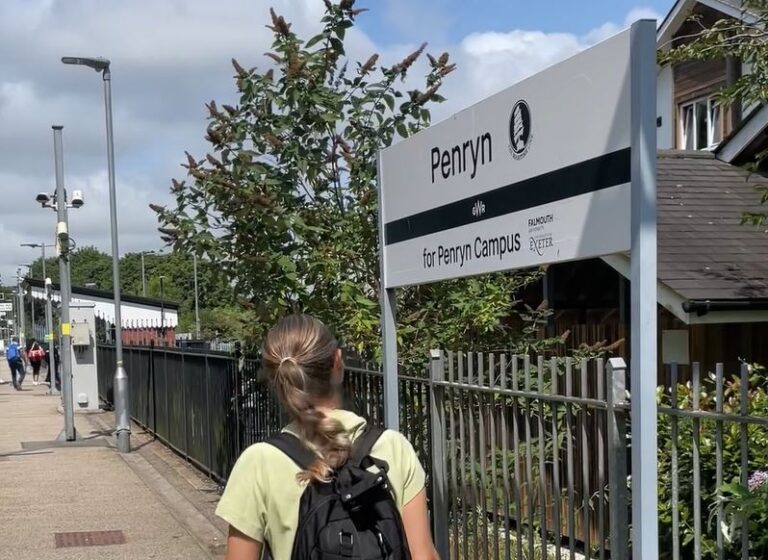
column 591, row 175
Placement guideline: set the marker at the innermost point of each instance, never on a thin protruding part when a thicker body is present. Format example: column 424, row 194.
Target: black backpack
column 354, row 516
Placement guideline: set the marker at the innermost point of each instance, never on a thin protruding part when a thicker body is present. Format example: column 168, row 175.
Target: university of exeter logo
column 520, row 136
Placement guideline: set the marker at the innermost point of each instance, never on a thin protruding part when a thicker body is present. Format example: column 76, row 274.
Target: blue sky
column 169, row 57
column 451, row 20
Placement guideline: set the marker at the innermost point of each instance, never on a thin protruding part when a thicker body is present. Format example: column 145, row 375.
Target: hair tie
column 288, row 359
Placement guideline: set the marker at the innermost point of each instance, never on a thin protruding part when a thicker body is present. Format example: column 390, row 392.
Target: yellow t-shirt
column 262, row 495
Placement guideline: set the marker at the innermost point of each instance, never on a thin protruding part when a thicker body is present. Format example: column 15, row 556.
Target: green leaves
column 287, row 200
column 738, row 503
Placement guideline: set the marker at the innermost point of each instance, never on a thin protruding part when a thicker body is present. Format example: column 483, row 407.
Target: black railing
column 209, row 406
column 188, row 400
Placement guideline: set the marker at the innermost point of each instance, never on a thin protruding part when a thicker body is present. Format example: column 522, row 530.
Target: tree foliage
column 286, row 201
column 745, row 39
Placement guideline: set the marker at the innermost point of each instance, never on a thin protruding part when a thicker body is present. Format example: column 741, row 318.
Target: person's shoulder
column 394, row 444
column 260, row 451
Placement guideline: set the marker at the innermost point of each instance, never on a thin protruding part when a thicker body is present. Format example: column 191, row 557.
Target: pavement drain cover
column 89, row 538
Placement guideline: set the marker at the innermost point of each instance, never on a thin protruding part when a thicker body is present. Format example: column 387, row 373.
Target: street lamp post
column 122, row 418
column 48, row 318
column 60, row 203
column 143, row 274
column 31, row 305
column 65, row 336
column 20, row 309
column 143, row 277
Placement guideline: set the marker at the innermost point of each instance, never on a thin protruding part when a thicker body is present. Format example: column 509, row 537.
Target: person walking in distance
column 35, row 355
column 16, row 362
column 56, row 361
column 329, row 485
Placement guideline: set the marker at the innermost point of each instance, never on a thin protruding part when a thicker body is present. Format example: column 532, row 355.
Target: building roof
column 747, row 140
column 704, row 250
column 682, row 9
column 106, row 295
column 135, row 311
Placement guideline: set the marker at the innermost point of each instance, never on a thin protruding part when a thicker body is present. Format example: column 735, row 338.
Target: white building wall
column 132, row 313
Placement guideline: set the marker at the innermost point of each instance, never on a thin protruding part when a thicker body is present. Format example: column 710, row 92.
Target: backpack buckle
column 346, row 543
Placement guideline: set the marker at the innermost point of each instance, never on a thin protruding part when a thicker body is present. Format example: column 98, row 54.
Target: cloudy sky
column 171, row 56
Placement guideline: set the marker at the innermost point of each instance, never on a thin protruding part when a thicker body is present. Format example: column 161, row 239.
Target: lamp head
column 97, row 63
column 43, row 198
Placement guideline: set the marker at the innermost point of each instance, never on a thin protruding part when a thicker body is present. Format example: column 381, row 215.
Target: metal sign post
column 559, row 167
column 645, row 541
column 388, row 301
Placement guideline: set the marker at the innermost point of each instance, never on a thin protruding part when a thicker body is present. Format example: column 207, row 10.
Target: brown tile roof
column 704, row 251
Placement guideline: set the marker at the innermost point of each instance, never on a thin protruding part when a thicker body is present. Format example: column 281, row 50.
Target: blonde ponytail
column 298, row 357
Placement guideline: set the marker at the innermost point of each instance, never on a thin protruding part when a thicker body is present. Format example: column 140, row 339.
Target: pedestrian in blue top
column 15, row 356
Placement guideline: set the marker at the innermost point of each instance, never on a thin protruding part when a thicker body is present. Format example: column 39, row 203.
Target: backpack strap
column 361, row 449
column 304, row 457
column 293, row 447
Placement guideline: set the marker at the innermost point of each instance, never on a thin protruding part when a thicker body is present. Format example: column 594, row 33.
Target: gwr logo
column 478, row 209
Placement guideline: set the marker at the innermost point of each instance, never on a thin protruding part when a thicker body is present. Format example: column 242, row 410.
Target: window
column 701, row 124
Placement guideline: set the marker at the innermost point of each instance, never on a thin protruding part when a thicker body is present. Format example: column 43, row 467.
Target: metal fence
column 525, row 458
column 535, row 457
column 209, row 406
column 713, row 432
column 189, row 400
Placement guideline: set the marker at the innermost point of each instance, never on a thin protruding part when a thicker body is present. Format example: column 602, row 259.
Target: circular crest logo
column 520, row 136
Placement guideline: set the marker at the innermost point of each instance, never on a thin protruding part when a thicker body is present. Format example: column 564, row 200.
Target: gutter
column 704, row 306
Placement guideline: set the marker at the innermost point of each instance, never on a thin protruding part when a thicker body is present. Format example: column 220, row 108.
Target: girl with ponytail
column 303, row 363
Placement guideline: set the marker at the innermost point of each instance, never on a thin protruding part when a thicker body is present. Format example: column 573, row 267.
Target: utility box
column 81, row 334
column 85, row 379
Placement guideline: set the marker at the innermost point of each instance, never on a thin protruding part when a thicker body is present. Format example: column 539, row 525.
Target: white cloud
column 168, row 59
column 609, row 28
column 491, row 61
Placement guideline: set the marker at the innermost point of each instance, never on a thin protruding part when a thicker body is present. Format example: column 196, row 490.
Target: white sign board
column 538, row 173
column 8, row 306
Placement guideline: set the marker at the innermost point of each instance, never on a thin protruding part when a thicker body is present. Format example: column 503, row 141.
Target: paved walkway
column 46, row 488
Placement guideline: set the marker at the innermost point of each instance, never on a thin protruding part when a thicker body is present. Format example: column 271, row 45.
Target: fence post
column 153, row 383
column 617, row 457
column 207, row 389
column 438, row 438
column 237, row 392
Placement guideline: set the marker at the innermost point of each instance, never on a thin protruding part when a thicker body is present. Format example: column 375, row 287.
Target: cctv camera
column 43, row 198
column 77, row 199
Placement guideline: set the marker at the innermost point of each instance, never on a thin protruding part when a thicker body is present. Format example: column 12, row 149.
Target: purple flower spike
column 757, row 480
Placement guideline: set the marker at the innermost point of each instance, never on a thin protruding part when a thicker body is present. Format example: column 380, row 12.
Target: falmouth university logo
column 520, row 136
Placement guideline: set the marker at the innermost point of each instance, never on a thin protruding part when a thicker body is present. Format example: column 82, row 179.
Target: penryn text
column 462, row 158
